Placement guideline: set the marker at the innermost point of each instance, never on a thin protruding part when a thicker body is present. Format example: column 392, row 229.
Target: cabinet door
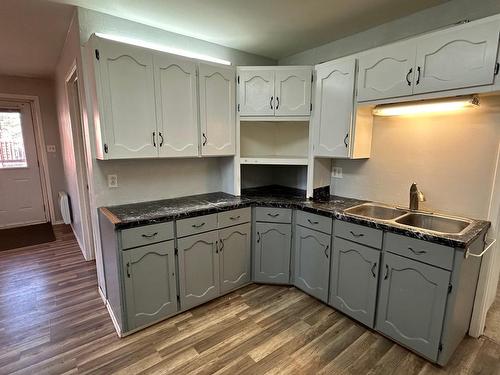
column 234, row 255
column 332, row 123
column 256, row 92
column 217, row 110
column 176, row 106
column 293, row 92
column 150, row 283
column 312, row 262
column 412, row 303
column 198, row 269
column 354, row 275
column 127, row 101
column 457, row 58
column 387, row 72
column 272, row 253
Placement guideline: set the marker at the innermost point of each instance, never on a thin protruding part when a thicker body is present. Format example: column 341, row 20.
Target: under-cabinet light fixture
column 427, row 106
column 158, row 47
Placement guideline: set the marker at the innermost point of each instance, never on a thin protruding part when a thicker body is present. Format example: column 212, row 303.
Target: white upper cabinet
column 274, row 91
column 176, row 106
column 217, row 110
column 457, row 58
column 126, row 101
column 332, row 123
column 256, row 92
column 387, row 72
column 293, row 92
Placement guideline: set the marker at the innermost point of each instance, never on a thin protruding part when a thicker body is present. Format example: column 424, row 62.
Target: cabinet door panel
column 354, row 278
column 312, row 262
column 256, row 92
column 293, row 92
column 332, row 123
column 457, row 58
column 272, row 253
column 234, row 255
column 150, row 283
column 198, row 269
column 177, row 106
column 128, row 100
column 217, row 110
column 387, row 72
column 412, row 303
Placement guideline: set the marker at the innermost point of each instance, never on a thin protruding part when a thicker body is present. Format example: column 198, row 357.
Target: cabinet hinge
column 238, row 107
column 176, row 251
column 440, row 348
column 450, row 287
column 105, row 148
column 97, row 54
column 497, row 68
column 238, row 80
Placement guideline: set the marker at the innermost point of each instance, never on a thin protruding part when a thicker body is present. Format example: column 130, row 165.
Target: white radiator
column 65, row 208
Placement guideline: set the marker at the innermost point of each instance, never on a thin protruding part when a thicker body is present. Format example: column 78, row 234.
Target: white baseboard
column 57, row 222
column 114, row 320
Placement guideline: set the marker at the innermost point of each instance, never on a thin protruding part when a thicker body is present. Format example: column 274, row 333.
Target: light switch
column 112, row 181
column 337, row 172
column 51, row 148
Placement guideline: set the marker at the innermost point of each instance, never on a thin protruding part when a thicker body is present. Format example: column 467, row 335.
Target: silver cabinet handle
column 204, row 139
column 258, row 237
column 386, row 272
column 128, row 270
column 217, row 247
column 417, row 252
column 234, row 217
column 408, row 77
column 161, row 139
column 356, row 234
column 278, row 104
column 154, row 139
column 273, row 215
column 345, row 140
column 326, row 250
column 271, row 102
column 418, row 75
column 221, row 245
column 150, row 235
column 373, row 269
column 198, row 225
column 312, row 222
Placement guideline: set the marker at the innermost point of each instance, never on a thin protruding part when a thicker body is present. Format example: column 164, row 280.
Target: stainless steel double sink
column 441, row 224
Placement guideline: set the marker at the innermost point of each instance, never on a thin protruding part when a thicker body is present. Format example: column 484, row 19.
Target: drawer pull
column 128, row 270
column 150, row 235
column 417, row 252
column 273, row 215
column 386, row 272
column 312, row 222
column 326, row 250
column 198, row 225
column 234, row 217
column 373, row 269
column 357, row 235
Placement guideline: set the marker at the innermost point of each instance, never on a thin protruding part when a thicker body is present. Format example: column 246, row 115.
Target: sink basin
column 434, row 223
column 375, row 211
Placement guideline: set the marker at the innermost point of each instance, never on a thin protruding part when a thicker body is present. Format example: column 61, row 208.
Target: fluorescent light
column 426, row 106
column 158, row 47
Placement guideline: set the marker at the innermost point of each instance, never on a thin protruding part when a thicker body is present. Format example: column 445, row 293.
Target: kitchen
column 334, row 210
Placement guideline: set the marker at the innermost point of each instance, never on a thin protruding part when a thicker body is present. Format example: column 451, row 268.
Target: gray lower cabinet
column 198, row 269
column 272, row 253
column 312, row 262
column 354, row 276
column 150, row 283
column 234, row 256
column 412, row 303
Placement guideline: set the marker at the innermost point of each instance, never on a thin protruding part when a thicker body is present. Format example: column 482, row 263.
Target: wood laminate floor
column 52, row 321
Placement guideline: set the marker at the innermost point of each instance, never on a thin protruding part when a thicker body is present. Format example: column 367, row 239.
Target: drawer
column 234, row 217
column 195, row 225
column 426, row 252
column 313, row 221
column 273, row 215
column 147, row 234
column 359, row 233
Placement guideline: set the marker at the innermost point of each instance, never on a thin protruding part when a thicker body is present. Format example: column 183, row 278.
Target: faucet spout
column 416, row 196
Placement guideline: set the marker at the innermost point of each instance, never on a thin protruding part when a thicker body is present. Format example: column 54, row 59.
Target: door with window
column 21, row 197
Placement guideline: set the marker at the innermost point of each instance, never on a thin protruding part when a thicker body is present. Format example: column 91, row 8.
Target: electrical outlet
column 51, row 148
column 337, row 172
column 112, row 181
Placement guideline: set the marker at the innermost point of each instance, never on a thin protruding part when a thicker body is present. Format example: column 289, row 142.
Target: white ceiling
column 32, row 34
column 271, row 28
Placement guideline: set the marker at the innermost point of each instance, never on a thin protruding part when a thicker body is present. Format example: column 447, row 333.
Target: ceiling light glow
column 158, row 47
column 426, row 106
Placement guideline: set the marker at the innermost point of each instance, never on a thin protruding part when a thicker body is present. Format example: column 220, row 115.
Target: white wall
column 44, row 90
column 417, row 23
column 452, row 157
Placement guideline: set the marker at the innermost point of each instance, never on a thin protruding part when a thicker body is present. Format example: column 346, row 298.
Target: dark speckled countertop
column 136, row 214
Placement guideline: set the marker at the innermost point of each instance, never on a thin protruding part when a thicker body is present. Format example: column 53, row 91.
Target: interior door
column 21, row 197
column 293, row 92
column 472, row 51
column 332, row 123
column 176, row 106
column 256, row 92
column 217, row 110
column 128, row 100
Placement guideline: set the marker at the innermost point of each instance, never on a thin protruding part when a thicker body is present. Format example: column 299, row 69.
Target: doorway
column 21, row 192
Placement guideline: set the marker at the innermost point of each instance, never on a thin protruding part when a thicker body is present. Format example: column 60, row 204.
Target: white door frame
column 36, row 115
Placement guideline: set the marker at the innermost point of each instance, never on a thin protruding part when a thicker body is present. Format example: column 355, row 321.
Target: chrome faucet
column 416, row 196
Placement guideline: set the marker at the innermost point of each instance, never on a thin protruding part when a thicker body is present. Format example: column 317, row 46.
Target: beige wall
column 452, row 157
column 44, row 90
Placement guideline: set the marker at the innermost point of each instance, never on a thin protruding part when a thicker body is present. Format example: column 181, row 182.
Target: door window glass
column 12, row 153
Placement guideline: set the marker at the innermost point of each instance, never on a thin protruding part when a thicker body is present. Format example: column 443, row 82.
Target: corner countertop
column 144, row 213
